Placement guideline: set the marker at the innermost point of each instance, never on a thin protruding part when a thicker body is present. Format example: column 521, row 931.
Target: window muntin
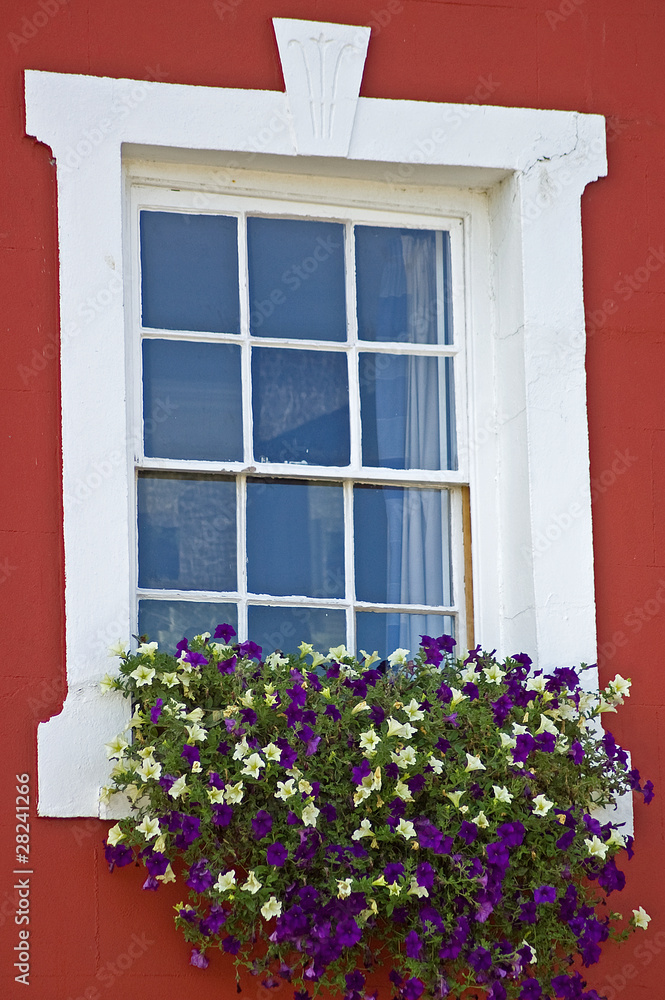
column 341, row 381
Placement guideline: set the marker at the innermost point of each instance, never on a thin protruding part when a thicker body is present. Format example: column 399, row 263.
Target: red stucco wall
column 99, row 933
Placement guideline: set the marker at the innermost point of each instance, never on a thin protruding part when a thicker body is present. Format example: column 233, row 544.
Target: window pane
column 285, row 628
column 187, row 533
column 408, row 412
column 296, row 278
column 189, row 272
column 403, row 285
column 192, row 400
column 387, row 632
column 402, row 545
column 301, row 406
column 166, row 622
column 295, row 539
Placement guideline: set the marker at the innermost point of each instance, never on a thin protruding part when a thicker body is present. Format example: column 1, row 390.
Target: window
column 298, row 369
column 509, row 179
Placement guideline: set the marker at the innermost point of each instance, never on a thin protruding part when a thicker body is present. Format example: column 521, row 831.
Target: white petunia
column 398, row 658
column 536, row 684
column 414, row 711
column 406, row 829
column 147, row 649
column 170, row 679
column 234, row 793
column 197, row 734
column 508, row 742
column 364, row 830
column 457, row 697
column 455, row 797
column 546, row 726
column 343, row 888
column 596, row 847
column 474, row 763
column 641, row 918
column 118, row 648
column 337, row 652
column 275, row 660
column 360, row 794
column 403, row 791
column 362, row 706
column 107, row 683
column 468, row 676
column 252, row 884
column 272, row 752
column 150, row 770
column 149, row 827
column 178, row 787
column 253, row 766
column 241, row 750
column 541, row 805
column 369, row 741
column 436, row 765
column 621, row 686
column 115, row 835
column 247, row 699
column 481, row 820
column 273, row 908
column 369, row 659
column 116, row 748
column 285, row 789
column 226, row 881
column 494, row 674
column 501, row 793
column 216, row 795
column 416, row 890
column 305, row 786
column 395, row 728
column 404, row 758
column 310, row 814
column 143, row 675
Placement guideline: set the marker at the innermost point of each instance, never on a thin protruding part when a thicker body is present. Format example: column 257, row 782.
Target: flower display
column 440, row 815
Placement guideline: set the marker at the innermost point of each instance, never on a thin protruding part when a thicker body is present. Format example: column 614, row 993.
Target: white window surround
column 515, row 177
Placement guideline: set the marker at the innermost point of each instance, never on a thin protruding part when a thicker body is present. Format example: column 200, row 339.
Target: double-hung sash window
column 300, row 389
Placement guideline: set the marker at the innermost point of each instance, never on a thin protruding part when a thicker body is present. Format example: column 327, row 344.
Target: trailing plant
column 327, row 814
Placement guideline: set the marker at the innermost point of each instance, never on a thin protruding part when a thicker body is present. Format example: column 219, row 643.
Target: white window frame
column 522, row 173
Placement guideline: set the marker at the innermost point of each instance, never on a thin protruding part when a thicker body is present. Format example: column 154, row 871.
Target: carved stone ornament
column 323, row 66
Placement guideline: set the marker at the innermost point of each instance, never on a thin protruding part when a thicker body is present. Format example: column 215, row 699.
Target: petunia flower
column 640, row 918
column 405, row 828
column 149, row 827
column 364, row 830
column 115, row 835
column 501, row 794
column 369, row 741
column 596, row 847
column 310, row 814
column 541, row 805
column 253, row 766
column 226, row 881
column 273, row 908
column 252, row 884
column 285, row 789
column 474, row 763
column 276, row 854
column 178, row 787
column 343, row 888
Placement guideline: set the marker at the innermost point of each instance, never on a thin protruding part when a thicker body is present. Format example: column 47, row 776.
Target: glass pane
column 189, row 272
column 402, row 545
column 403, row 285
column 187, row 533
column 295, row 539
column 296, row 278
column 300, row 403
column 387, row 632
column 285, row 628
column 192, row 400
column 407, row 405
column 167, row 622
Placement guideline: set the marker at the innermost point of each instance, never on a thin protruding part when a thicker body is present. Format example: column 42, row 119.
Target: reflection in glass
column 403, row 285
column 385, row 633
column 187, row 533
column 295, row 538
column 167, row 622
column 285, row 628
column 402, row 545
column 300, row 402
column 296, row 278
column 407, row 405
column 189, row 272
column 192, row 400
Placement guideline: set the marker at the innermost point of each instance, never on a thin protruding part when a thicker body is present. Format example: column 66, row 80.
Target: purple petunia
column 467, row 832
column 250, row 650
column 413, row 945
column 348, row 932
column 200, row 877
column 222, row 814
column 262, row 824
column 576, row 752
column 198, row 959
column 191, row 754
column 425, row 875
column 156, row 710
column 224, row 632
column 196, row 659
column 276, row 854
column 328, row 812
column 228, row 666
column 333, row 713
column 480, row 959
column 648, row 792
column 544, row 894
column 393, row 871
column 412, row 988
column 531, row 990
column 118, row 856
column 231, row 945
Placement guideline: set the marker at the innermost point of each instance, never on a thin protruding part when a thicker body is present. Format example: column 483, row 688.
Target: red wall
column 602, row 56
